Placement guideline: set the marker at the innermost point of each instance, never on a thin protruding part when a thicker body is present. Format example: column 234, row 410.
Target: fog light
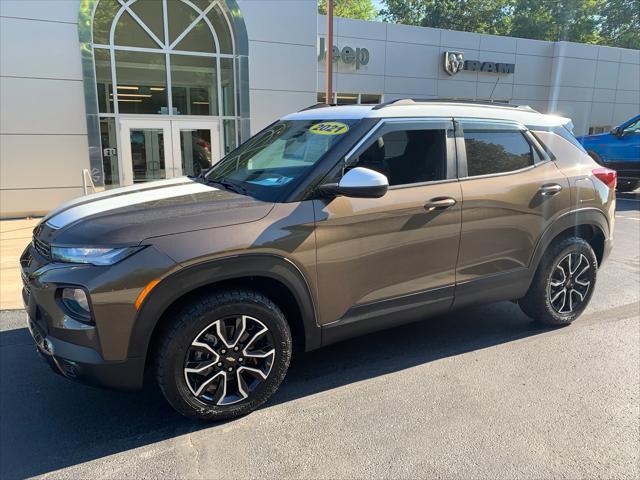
column 76, row 302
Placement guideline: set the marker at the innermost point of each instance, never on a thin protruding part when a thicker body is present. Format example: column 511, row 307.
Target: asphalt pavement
column 480, row 393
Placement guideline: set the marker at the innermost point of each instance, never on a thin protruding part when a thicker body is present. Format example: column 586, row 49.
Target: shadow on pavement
column 48, row 423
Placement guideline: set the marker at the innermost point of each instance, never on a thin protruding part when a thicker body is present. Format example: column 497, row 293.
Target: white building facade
column 117, row 92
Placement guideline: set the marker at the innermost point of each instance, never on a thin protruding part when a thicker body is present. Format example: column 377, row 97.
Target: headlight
column 92, row 255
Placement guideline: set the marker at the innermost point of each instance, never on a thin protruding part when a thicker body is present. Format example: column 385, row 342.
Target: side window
column 407, row 156
column 632, row 128
column 492, row 150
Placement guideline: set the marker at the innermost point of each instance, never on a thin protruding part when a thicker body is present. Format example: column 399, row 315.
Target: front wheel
column 563, row 284
column 223, row 355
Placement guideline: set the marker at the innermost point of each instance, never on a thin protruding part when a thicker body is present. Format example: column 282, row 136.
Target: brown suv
column 331, row 222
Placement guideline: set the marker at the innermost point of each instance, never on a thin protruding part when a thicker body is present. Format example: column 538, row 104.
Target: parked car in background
column 619, row 150
column 332, row 222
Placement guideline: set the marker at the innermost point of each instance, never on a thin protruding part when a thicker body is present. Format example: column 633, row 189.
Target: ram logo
column 453, row 62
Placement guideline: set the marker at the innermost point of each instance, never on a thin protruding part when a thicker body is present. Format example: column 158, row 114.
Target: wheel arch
column 272, row 275
column 590, row 224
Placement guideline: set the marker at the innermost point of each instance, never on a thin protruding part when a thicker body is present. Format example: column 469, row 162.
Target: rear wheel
column 223, row 355
column 563, row 284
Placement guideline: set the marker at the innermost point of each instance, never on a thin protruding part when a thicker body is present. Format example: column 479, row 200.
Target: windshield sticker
column 270, row 182
column 329, row 128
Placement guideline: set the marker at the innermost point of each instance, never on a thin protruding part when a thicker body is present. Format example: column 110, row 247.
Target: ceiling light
column 137, row 95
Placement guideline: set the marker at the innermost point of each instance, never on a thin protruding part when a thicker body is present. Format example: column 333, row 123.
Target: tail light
column 606, row 176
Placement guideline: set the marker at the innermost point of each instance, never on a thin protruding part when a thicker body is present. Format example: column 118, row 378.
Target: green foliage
column 358, row 9
column 608, row 22
column 484, row 16
column 621, row 23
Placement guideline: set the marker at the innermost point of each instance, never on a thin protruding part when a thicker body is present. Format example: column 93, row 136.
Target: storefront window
column 347, row 98
column 351, row 98
column 142, row 82
column 228, row 86
column 229, row 135
column 164, row 57
column 109, row 152
column 216, row 17
column 194, row 85
column 104, row 80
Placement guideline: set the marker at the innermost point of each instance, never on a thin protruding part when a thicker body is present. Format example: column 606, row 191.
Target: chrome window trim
column 423, row 184
column 502, row 174
column 505, row 123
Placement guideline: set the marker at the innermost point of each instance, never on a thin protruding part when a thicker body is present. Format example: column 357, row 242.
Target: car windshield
column 269, row 165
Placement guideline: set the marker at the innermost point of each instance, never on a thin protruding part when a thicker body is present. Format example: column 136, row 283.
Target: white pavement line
column 628, row 218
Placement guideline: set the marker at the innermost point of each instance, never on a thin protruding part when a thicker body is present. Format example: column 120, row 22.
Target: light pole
column 329, row 55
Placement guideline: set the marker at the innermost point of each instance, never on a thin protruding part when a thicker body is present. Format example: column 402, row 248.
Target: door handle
column 439, row 203
column 550, row 189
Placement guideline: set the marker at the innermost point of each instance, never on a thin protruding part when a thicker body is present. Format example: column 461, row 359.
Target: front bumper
column 95, row 352
column 83, row 364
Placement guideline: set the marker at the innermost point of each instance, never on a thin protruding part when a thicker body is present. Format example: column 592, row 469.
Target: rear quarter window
column 492, row 151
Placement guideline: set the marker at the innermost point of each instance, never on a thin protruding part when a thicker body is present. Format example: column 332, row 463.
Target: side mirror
column 359, row 182
column 616, row 131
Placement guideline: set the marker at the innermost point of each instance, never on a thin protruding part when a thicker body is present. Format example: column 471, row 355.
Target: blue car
column 618, row 150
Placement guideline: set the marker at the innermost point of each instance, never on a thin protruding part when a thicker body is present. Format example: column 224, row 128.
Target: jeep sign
column 348, row 55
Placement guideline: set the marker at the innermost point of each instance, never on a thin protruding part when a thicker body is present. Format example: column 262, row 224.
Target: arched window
column 171, row 58
column 164, row 57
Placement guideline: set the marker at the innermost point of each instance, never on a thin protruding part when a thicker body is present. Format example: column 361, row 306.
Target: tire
column 543, row 302
column 241, row 330
column 625, row 186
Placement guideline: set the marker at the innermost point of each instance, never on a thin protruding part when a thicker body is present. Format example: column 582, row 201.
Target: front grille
column 43, row 248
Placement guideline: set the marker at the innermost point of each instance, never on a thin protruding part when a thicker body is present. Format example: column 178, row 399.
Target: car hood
column 129, row 215
column 591, row 138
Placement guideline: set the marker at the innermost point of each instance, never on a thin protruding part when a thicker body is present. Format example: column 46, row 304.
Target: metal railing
column 87, row 181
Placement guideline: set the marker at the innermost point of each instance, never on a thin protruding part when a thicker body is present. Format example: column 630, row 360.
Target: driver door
column 384, row 260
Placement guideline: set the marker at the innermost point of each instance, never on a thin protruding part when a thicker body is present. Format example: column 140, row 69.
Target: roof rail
column 412, row 101
column 318, row 105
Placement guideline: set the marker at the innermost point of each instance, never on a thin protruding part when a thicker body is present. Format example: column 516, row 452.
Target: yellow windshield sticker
column 329, row 128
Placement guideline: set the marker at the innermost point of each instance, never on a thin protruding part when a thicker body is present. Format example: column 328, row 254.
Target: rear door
column 511, row 192
column 378, row 259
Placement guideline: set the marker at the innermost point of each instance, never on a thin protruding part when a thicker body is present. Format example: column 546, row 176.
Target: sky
column 378, row 4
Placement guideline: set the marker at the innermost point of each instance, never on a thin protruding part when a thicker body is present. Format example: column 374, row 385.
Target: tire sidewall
column 572, row 245
column 203, row 315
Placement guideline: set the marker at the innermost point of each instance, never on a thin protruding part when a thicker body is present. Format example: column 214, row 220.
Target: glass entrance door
column 159, row 149
column 196, row 144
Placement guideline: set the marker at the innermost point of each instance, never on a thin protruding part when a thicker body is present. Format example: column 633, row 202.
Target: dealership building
column 109, row 93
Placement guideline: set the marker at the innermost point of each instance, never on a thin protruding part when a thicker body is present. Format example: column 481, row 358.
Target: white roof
column 521, row 114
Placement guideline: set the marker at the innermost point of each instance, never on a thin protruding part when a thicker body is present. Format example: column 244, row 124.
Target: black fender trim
column 190, row 278
column 514, row 284
column 574, row 219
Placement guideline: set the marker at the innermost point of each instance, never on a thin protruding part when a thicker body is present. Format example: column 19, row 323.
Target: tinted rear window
column 491, row 151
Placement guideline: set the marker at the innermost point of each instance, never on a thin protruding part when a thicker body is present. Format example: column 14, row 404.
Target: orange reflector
column 145, row 291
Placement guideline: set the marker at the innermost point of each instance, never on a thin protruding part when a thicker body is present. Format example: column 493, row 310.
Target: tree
column 357, row 9
column 571, row 20
column 621, row 23
column 608, row 22
column 483, row 16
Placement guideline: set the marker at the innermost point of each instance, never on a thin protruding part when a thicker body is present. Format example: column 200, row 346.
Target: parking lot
column 480, row 393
